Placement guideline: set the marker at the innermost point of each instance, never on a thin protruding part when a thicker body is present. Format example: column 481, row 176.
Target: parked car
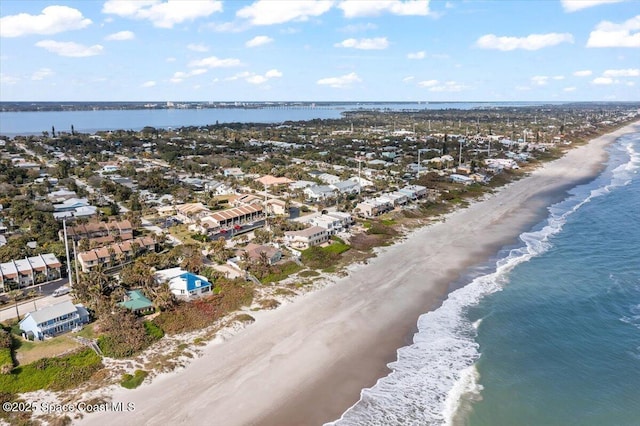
column 60, row 291
column 237, row 227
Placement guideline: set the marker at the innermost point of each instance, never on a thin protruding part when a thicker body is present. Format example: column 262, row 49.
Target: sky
column 298, row 50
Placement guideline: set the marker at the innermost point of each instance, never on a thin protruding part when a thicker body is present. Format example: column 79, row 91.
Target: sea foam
column 435, row 378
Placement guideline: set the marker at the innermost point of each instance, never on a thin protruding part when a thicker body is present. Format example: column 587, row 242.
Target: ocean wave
column 435, row 378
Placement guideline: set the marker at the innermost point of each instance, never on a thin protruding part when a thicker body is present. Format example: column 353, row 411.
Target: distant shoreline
column 306, row 362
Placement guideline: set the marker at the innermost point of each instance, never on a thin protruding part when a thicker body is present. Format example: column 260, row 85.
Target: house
column 333, row 225
column 182, row 283
column 374, row 207
column 319, row 192
column 70, row 204
column 414, row 192
column 190, row 212
column 53, row 320
column 255, row 252
column 276, row 207
column 345, row 218
column 29, row 271
column 268, row 180
column 234, row 172
column 460, row 179
column 235, row 216
column 328, row 178
column 346, row 187
column 246, row 200
column 136, row 302
column 307, row 237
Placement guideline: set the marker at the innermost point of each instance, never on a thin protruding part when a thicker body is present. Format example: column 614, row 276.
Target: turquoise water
column 560, row 345
column 549, row 334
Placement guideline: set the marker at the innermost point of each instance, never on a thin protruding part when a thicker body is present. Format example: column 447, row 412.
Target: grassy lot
column 183, row 234
column 29, row 352
column 52, row 373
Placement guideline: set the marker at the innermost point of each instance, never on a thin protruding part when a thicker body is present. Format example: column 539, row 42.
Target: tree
column 164, row 299
column 191, row 258
column 14, row 296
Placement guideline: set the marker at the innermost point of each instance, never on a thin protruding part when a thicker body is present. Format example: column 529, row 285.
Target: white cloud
column 540, row 80
column 273, row 74
column 416, row 55
column 530, row 42
column 377, row 43
column 258, row 41
column 52, row 20
column 69, row 48
column 260, row 79
column 180, row 76
column 214, row 62
column 243, row 74
column 609, row 34
column 355, row 28
column 198, row 47
column 583, row 73
column 170, row 59
column 121, row 36
column 41, row 74
column 162, row 14
column 408, row 79
column 428, row 83
column 8, row 79
column 359, row 8
column 603, row 80
column 270, row 12
column 257, row 79
column 150, row 83
column 622, row 73
column 523, row 88
column 342, row 82
column 449, row 86
column 569, row 89
column 558, row 77
column 574, row 5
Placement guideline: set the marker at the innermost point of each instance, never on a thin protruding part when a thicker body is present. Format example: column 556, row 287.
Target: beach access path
column 306, row 362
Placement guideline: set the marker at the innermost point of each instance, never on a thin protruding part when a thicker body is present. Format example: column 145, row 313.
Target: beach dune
column 306, row 362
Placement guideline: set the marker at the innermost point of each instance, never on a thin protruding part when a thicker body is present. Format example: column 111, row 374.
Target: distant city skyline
column 351, row 50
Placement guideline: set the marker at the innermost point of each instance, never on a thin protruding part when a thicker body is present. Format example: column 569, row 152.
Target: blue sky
column 351, row 50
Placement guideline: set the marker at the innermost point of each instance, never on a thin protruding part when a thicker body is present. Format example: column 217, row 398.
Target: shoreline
column 306, row 362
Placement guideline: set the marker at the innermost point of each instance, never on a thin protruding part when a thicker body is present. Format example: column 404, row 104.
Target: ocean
column 547, row 333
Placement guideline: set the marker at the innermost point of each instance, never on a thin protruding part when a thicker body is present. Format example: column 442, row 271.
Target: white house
column 53, row 320
column 182, row 283
column 306, row 238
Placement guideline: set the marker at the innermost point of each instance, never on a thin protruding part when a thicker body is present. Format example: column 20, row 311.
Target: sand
column 306, row 362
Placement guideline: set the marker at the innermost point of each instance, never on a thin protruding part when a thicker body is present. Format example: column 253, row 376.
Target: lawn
column 29, row 352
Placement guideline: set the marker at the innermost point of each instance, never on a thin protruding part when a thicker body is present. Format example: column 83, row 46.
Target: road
column 8, row 311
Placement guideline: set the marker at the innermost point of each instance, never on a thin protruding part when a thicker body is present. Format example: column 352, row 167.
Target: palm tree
column 16, row 295
column 164, row 298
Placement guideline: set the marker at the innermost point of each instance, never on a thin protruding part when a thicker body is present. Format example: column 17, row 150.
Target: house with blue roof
column 182, row 283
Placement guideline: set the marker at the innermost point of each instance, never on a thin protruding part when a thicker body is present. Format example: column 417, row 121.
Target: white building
column 306, row 238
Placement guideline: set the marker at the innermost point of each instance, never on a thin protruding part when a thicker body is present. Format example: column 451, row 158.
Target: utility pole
column 460, row 157
column 66, row 247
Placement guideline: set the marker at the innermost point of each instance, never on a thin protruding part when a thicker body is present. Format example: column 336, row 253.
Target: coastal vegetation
column 160, row 169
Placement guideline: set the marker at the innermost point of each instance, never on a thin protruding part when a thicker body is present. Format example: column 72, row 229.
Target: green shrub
column 52, row 373
column 202, row 312
column 153, row 331
column 131, row 382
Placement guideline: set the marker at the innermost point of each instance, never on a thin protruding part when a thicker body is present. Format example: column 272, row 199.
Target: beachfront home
column 255, row 252
column 136, row 302
column 53, row 320
column 306, row 238
column 182, row 283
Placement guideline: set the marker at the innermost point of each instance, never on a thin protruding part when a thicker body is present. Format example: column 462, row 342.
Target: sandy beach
column 306, row 362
